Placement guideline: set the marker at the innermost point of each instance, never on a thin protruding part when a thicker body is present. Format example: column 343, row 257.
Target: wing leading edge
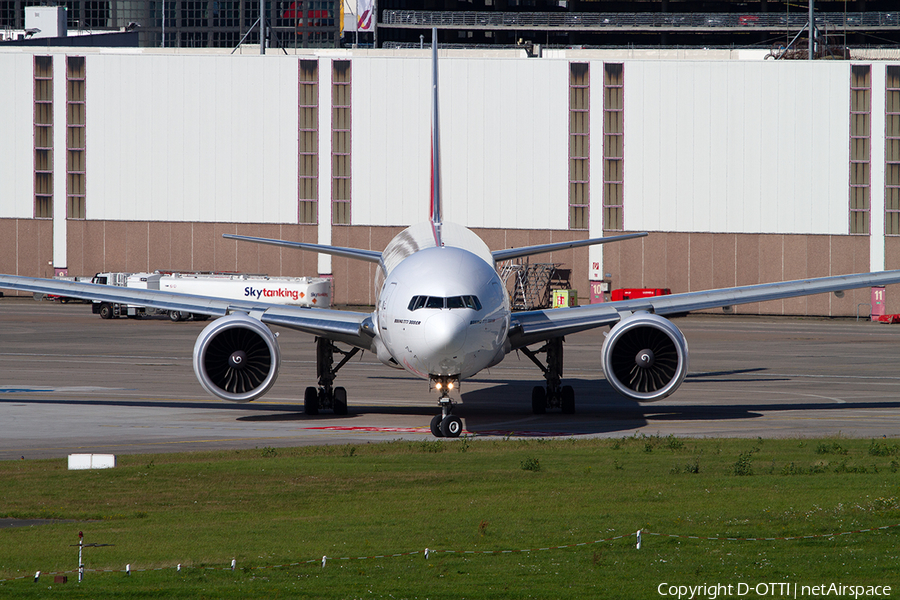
column 544, row 248
column 345, row 326
column 357, row 253
column 534, row 326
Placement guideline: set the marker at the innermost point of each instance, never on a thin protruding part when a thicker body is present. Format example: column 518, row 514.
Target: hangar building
column 743, row 170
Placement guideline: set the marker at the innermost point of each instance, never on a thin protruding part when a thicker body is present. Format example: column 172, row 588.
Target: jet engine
column 645, row 357
column 236, row 358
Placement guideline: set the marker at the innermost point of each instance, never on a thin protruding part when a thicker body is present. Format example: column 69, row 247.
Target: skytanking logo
column 258, row 293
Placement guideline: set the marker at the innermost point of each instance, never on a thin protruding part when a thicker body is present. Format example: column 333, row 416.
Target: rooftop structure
column 510, row 23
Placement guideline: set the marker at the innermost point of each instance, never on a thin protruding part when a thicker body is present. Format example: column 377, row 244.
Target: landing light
column 450, row 386
column 437, row 385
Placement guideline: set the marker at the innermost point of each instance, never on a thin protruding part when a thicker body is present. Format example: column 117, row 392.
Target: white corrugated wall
column 710, row 146
column 503, row 141
column 192, row 138
column 738, row 147
column 391, row 118
column 17, row 136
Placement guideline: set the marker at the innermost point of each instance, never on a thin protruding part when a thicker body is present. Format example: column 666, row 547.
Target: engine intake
column 236, row 358
column 645, row 357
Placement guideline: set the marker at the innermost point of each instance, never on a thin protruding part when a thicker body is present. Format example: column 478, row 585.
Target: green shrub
column 879, row 449
column 531, row 464
column 830, row 448
column 744, row 466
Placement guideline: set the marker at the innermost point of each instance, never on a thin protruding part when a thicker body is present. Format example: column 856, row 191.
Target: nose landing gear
column 445, row 424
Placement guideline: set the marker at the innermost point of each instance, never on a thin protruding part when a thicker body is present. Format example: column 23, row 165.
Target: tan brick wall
column 95, row 246
column 679, row 261
column 687, row 262
column 26, row 248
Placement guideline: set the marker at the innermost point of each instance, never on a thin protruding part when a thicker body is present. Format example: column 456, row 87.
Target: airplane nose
column 445, row 332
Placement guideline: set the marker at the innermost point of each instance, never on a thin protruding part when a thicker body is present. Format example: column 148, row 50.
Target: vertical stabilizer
column 436, row 218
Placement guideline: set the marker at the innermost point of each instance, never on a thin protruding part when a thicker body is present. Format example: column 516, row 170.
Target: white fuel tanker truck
column 314, row 292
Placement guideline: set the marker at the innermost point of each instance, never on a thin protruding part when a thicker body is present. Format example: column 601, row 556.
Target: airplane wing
column 338, row 325
column 541, row 249
column 366, row 255
column 538, row 325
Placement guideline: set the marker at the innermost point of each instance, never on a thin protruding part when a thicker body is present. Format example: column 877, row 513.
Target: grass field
column 276, row 512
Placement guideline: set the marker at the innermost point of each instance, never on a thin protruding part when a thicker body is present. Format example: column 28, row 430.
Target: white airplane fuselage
column 442, row 310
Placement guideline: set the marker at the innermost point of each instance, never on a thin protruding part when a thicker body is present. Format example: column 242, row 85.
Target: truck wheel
column 106, row 311
column 175, row 316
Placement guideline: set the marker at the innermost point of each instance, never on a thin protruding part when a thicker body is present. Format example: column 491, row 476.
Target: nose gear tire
column 436, row 426
column 451, row 426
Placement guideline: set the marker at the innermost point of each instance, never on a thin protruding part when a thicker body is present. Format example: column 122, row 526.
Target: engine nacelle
column 236, row 358
column 645, row 357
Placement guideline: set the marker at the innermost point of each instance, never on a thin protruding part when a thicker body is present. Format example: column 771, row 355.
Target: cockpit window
column 417, row 302
column 472, row 302
column 455, row 302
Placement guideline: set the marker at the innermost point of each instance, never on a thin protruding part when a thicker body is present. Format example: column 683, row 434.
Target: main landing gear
column 445, row 424
column 553, row 395
column 326, row 395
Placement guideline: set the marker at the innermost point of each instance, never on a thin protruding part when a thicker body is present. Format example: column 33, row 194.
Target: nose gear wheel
column 445, row 424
